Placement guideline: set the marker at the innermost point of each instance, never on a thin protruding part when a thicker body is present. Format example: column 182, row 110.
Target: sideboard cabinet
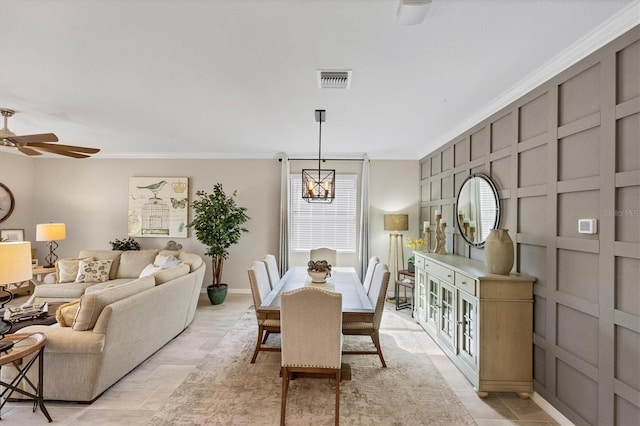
column 482, row 321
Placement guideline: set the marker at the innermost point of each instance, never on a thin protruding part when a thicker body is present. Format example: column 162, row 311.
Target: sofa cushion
column 114, row 256
column 65, row 291
column 66, row 313
column 94, row 271
column 133, row 262
column 91, row 305
column 193, row 260
column 67, row 269
column 169, row 274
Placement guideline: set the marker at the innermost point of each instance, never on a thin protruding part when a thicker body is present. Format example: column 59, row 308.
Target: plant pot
column 498, row 252
column 217, row 294
column 411, row 267
column 318, row 277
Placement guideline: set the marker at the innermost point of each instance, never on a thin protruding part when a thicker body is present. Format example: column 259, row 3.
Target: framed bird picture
column 158, row 207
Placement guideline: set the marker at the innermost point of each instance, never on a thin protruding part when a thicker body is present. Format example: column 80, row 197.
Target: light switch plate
column 587, row 226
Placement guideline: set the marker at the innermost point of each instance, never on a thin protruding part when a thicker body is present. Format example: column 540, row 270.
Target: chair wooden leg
column 338, row 396
column 285, row 388
column 376, row 342
column 266, row 336
column 257, row 349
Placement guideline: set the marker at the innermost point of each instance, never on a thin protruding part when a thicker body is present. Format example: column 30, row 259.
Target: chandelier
column 319, row 185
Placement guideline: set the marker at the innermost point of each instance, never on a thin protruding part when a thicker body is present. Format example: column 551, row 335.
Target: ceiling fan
column 33, row 144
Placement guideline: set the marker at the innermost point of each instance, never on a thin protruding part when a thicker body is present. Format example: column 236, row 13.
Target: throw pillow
column 105, row 255
column 170, row 262
column 67, row 269
column 93, row 271
column 66, row 313
column 150, row 269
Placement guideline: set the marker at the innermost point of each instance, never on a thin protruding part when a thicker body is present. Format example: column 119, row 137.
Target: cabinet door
column 447, row 315
column 468, row 328
column 433, row 304
column 421, row 297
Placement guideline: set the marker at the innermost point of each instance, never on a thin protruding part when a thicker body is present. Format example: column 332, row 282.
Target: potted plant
column 125, row 245
column 218, row 224
column 414, row 245
column 411, row 264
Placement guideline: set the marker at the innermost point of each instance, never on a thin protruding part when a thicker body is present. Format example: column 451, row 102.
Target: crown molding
column 618, row 24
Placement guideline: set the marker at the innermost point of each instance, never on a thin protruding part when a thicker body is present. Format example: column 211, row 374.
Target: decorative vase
column 217, row 294
column 318, row 277
column 498, row 252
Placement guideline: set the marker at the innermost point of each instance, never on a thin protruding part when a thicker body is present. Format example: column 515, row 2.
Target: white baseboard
column 551, row 410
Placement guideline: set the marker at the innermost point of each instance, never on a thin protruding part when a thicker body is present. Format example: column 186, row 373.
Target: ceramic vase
column 498, row 252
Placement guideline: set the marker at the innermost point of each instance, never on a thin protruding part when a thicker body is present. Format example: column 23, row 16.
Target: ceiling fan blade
column 42, row 137
column 53, row 149
column 74, row 148
column 29, row 151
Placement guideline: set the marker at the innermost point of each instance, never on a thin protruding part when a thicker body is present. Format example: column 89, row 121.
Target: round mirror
column 478, row 209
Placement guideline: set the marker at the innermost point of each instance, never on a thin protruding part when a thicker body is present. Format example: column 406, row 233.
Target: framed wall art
column 12, row 234
column 158, row 207
column 6, row 202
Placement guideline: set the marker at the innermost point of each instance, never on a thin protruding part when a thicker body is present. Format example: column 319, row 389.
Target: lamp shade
column 51, row 231
column 15, row 262
column 396, row 222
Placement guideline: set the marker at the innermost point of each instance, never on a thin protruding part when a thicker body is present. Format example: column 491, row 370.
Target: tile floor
column 136, row 397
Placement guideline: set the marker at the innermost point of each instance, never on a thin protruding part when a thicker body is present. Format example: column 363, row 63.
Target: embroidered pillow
column 94, row 271
column 66, row 313
column 67, row 269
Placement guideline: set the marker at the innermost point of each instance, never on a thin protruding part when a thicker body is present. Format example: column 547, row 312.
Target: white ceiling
column 237, row 78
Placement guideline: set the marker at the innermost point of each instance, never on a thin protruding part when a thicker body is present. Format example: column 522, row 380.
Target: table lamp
column 15, row 266
column 395, row 223
column 51, row 232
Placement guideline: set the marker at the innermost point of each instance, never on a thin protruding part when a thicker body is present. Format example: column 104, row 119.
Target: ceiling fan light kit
column 32, row 144
column 319, row 185
column 412, row 12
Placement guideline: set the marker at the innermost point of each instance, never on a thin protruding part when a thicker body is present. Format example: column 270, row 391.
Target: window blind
column 331, row 225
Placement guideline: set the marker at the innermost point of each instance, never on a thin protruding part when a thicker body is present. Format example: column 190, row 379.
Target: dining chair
column 272, row 269
column 377, row 295
column 311, row 321
column 368, row 276
column 260, row 288
column 323, row 253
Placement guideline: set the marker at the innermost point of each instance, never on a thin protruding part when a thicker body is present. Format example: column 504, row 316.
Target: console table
column 483, row 322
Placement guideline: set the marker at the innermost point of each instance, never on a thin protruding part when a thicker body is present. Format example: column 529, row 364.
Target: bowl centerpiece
column 318, row 270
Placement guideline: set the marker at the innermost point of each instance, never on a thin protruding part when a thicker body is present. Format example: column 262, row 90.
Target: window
column 324, row 225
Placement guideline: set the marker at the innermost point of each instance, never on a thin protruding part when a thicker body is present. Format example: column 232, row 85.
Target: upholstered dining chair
column 323, row 253
column 368, row 276
column 272, row 269
column 260, row 288
column 377, row 295
column 311, row 321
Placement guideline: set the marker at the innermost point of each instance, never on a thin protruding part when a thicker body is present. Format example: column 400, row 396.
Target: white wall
column 91, row 197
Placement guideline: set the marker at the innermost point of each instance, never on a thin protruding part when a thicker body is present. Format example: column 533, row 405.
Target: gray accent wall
column 568, row 150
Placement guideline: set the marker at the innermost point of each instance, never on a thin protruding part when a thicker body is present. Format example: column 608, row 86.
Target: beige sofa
column 117, row 326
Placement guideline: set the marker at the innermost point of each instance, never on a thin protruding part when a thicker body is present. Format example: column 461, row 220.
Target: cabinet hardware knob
column 460, row 322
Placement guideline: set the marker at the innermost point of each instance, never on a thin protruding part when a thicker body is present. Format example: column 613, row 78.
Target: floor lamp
column 51, row 232
column 15, row 267
column 396, row 223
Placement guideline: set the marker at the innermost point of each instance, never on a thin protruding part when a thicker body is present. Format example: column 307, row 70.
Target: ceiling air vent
column 335, row 79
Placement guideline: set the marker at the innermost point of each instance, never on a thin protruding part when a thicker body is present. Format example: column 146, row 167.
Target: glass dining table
column 356, row 305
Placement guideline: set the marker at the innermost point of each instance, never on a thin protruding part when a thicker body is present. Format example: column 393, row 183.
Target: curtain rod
column 324, row 159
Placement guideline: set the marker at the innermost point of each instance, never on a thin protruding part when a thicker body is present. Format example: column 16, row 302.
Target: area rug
column 226, row 389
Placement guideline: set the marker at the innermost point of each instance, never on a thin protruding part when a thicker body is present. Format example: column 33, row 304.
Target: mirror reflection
column 478, row 209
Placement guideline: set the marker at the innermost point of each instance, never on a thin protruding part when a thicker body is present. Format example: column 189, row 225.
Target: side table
column 406, row 280
column 23, row 346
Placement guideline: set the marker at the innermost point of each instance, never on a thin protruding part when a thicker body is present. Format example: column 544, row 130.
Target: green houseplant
column 125, row 244
column 218, row 223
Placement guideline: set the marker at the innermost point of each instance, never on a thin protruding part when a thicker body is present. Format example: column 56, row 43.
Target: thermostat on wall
column 587, row 226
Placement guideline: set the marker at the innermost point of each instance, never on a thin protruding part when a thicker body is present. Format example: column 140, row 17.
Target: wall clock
column 6, row 202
